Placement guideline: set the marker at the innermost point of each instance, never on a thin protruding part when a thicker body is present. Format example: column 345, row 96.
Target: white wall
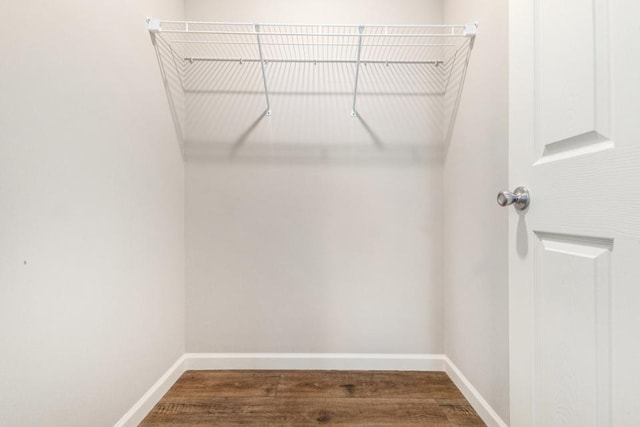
column 475, row 246
column 313, row 258
column 317, row 12
column 295, row 255
column 91, row 212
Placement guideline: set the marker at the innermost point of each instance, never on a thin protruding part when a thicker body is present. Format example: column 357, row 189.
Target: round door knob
column 519, row 198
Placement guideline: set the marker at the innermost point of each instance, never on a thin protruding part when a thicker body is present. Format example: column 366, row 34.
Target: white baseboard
column 142, row 407
column 309, row 361
column 316, row 361
column 484, row 410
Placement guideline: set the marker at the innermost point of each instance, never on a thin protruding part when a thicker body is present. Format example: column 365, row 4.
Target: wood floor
column 305, row 398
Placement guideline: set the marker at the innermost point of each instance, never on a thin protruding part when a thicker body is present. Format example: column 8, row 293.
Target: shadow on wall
column 220, row 107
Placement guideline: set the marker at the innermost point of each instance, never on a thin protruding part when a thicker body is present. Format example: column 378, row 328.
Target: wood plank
column 462, row 415
column 379, row 384
column 296, row 411
column 226, row 384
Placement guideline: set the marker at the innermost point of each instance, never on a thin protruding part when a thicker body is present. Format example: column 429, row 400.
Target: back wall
column 300, row 253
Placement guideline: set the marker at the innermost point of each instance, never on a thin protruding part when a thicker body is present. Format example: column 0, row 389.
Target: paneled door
column 575, row 252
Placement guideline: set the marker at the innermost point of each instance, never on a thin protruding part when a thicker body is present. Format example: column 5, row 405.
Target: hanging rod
column 211, row 42
column 314, row 61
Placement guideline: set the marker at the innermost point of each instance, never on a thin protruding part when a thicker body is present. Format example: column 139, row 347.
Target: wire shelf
column 355, row 64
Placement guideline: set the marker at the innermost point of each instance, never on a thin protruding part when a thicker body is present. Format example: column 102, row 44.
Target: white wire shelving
column 207, row 58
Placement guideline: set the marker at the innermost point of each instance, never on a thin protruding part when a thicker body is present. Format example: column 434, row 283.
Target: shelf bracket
column 264, row 74
column 153, row 25
column 470, row 30
column 355, row 89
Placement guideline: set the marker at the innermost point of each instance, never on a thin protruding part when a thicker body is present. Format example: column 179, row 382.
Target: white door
column 575, row 253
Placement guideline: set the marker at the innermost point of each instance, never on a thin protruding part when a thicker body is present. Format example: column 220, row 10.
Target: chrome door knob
column 519, row 198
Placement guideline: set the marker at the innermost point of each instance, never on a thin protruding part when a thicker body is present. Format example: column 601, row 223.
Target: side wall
column 290, row 256
column 91, row 212
column 475, row 246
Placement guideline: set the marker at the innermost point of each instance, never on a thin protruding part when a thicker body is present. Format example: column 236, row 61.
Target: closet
column 293, row 184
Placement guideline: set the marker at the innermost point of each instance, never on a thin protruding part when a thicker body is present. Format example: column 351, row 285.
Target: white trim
column 316, row 361
column 142, row 407
column 484, row 410
column 309, row 361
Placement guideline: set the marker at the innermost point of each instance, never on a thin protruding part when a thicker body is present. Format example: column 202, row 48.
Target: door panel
column 571, row 76
column 574, row 266
column 572, row 330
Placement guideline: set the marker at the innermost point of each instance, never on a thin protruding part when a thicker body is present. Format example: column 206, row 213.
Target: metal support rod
column 172, row 105
column 289, row 24
column 374, row 36
column 355, row 89
column 264, row 74
column 248, row 43
column 454, row 112
column 316, row 61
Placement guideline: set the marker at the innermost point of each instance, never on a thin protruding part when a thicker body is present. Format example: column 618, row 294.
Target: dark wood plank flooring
column 305, row 398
